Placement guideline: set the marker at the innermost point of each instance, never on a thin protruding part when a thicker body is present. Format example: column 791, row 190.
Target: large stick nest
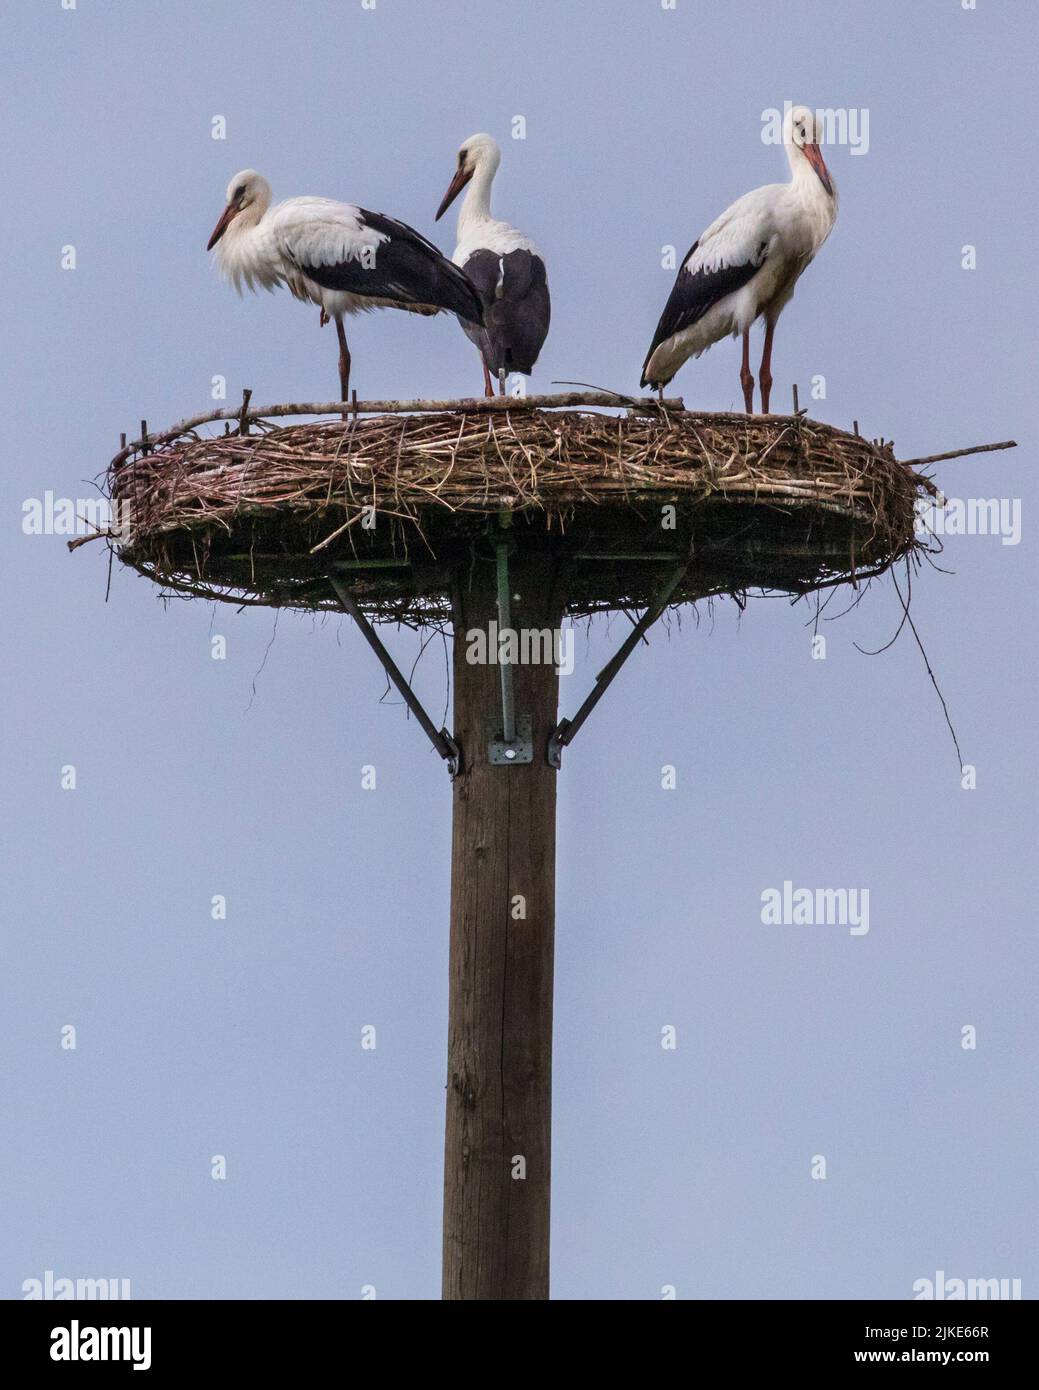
column 396, row 505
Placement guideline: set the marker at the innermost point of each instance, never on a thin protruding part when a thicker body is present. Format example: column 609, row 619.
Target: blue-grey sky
column 242, row 777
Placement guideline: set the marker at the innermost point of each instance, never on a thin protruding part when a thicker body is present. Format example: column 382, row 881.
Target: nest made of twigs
column 398, row 504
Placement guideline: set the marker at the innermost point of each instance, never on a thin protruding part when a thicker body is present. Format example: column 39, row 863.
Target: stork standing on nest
column 504, row 265
column 338, row 256
column 746, row 264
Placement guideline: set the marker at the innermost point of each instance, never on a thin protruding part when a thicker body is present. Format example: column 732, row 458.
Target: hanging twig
column 884, row 648
column 263, row 663
column 916, row 635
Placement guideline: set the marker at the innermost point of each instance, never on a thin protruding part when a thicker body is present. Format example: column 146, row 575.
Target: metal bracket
column 565, row 730
column 439, row 738
column 511, row 740
column 557, row 741
column 502, row 752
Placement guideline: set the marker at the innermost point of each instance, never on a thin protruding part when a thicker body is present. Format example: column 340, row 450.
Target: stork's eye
column 239, row 193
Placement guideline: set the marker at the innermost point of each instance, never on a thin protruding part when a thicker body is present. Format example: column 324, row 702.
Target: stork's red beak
column 814, row 155
column 221, row 227
column 455, row 187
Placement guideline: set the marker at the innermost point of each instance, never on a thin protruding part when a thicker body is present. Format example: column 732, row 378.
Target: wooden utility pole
column 499, row 1075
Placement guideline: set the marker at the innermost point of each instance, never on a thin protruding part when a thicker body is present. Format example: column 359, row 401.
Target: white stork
column 504, row 265
column 335, row 255
column 747, row 263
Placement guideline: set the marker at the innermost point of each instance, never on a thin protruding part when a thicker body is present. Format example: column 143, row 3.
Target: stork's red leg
column 765, row 374
column 488, row 386
column 344, row 361
column 323, row 319
column 746, row 379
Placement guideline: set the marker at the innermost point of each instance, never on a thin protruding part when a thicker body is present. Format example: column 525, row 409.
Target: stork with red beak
column 504, row 265
column 746, row 264
column 336, row 255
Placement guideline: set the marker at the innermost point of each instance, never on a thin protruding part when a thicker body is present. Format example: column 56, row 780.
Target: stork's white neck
column 476, row 205
column 243, row 253
column 806, row 182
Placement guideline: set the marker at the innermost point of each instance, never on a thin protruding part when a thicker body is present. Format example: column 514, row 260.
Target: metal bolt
column 510, row 752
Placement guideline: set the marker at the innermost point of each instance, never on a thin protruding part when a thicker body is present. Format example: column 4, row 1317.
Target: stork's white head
column 248, row 197
column 479, row 154
column 801, row 138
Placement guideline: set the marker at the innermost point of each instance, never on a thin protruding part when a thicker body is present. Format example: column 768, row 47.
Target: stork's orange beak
column 814, row 155
column 226, row 217
column 455, row 187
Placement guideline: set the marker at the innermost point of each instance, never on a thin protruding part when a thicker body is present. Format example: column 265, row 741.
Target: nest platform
column 263, row 513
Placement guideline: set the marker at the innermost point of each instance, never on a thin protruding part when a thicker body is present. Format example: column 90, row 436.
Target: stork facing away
column 746, row 264
column 504, row 265
column 338, row 256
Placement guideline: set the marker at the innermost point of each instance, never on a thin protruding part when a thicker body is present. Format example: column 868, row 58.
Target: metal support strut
column 511, row 742
column 508, row 706
column 565, row 730
column 439, row 738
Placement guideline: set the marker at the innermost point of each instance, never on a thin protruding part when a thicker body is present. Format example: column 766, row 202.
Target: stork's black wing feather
column 513, row 290
column 694, row 292
column 484, row 269
column 405, row 267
